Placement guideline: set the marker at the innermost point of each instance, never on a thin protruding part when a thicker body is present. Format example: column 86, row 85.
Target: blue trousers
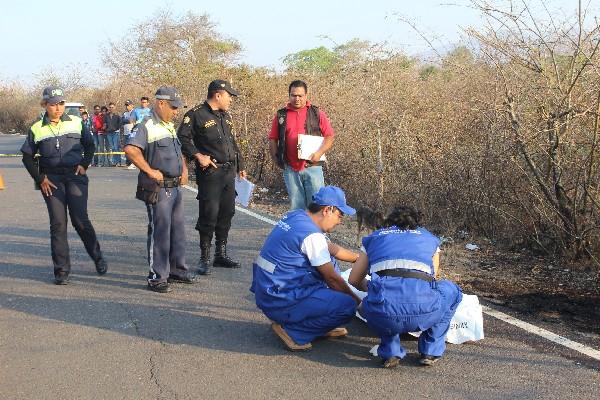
column 71, row 194
column 166, row 236
column 314, row 316
column 113, row 142
column 302, row 185
column 433, row 324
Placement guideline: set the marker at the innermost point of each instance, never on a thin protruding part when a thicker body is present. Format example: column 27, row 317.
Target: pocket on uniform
column 73, row 141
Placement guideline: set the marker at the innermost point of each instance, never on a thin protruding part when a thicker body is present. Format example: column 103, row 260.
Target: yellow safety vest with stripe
column 59, row 145
column 162, row 150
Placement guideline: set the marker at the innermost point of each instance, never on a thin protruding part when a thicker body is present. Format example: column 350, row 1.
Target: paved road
column 109, row 338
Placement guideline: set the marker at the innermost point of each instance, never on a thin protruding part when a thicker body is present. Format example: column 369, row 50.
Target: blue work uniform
column 291, row 291
column 62, row 148
column 396, row 305
column 166, row 231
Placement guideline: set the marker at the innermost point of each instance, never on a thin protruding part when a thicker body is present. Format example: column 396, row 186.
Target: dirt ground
column 540, row 288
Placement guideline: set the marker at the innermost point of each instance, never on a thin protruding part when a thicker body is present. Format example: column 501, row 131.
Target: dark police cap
column 128, row 102
column 222, row 85
column 169, row 94
column 53, row 95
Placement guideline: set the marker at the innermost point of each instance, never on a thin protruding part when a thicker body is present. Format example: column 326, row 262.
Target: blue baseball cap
column 333, row 196
column 53, row 95
column 169, row 94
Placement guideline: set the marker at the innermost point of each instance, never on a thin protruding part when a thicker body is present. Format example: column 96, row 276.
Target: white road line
column 553, row 337
column 241, row 209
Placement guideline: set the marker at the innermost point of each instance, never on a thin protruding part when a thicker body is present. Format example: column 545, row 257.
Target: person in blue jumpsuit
column 65, row 150
column 154, row 148
column 403, row 294
column 294, row 279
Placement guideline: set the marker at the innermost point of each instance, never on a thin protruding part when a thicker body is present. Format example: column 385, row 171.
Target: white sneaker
column 132, row 166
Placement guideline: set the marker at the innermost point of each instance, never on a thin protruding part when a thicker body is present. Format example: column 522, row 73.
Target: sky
column 42, row 35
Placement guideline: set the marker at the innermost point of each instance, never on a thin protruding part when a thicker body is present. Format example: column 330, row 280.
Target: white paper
column 244, row 189
column 308, row 145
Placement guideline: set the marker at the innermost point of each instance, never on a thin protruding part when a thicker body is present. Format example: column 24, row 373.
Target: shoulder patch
column 281, row 120
column 186, row 120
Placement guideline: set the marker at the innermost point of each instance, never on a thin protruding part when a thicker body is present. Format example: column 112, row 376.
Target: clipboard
column 309, row 144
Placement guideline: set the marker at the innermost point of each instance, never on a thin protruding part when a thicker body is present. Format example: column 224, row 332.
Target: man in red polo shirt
column 303, row 178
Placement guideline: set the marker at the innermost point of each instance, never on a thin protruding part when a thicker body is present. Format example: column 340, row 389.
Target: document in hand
column 244, row 189
column 307, row 145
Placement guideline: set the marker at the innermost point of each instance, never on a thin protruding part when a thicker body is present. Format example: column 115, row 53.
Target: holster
column 147, row 189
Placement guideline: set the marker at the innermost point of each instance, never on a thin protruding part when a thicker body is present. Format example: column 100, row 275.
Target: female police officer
column 60, row 140
column 403, row 295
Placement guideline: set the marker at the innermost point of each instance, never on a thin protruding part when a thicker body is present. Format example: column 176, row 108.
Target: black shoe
column 428, row 360
column 222, row 260
column 101, row 266
column 204, row 263
column 188, row 278
column 61, row 279
column 161, row 287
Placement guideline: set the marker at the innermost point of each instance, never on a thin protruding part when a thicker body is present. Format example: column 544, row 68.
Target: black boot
column 204, row 263
column 221, row 258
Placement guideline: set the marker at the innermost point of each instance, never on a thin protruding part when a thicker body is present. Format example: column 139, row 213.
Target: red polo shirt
column 295, row 125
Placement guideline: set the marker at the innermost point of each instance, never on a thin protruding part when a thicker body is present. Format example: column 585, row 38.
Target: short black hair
column 111, row 104
column 96, row 106
column 211, row 93
column 84, row 113
column 144, row 98
column 314, row 208
column 298, row 83
column 404, row 217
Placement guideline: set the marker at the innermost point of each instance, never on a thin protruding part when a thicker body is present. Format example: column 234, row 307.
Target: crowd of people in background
column 110, row 130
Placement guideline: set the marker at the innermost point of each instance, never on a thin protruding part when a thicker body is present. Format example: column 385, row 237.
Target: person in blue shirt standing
column 403, row 294
column 295, row 282
column 140, row 112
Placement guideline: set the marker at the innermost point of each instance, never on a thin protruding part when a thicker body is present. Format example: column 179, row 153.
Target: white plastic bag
column 467, row 323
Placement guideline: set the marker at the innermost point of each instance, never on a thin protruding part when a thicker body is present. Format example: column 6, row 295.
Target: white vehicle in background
column 73, row 109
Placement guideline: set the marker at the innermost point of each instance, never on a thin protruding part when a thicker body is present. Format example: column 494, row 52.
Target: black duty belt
column 58, row 170
column 314, row 164
column 406, row 273
column 171, row 182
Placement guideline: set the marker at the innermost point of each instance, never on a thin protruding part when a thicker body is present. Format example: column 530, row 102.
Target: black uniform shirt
column 209, row 132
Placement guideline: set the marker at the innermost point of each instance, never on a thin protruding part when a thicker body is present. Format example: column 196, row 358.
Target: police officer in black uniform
column 207, row 137
column 60, row 140
column 154, row 148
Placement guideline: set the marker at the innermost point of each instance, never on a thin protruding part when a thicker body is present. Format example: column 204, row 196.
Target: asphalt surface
column 107, row 337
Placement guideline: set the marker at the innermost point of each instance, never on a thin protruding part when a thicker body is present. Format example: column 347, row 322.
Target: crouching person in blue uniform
column 403, row 294
column 294, row 278
column 154, row 148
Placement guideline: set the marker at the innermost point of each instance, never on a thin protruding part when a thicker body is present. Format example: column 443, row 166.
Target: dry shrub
column 500, row 141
